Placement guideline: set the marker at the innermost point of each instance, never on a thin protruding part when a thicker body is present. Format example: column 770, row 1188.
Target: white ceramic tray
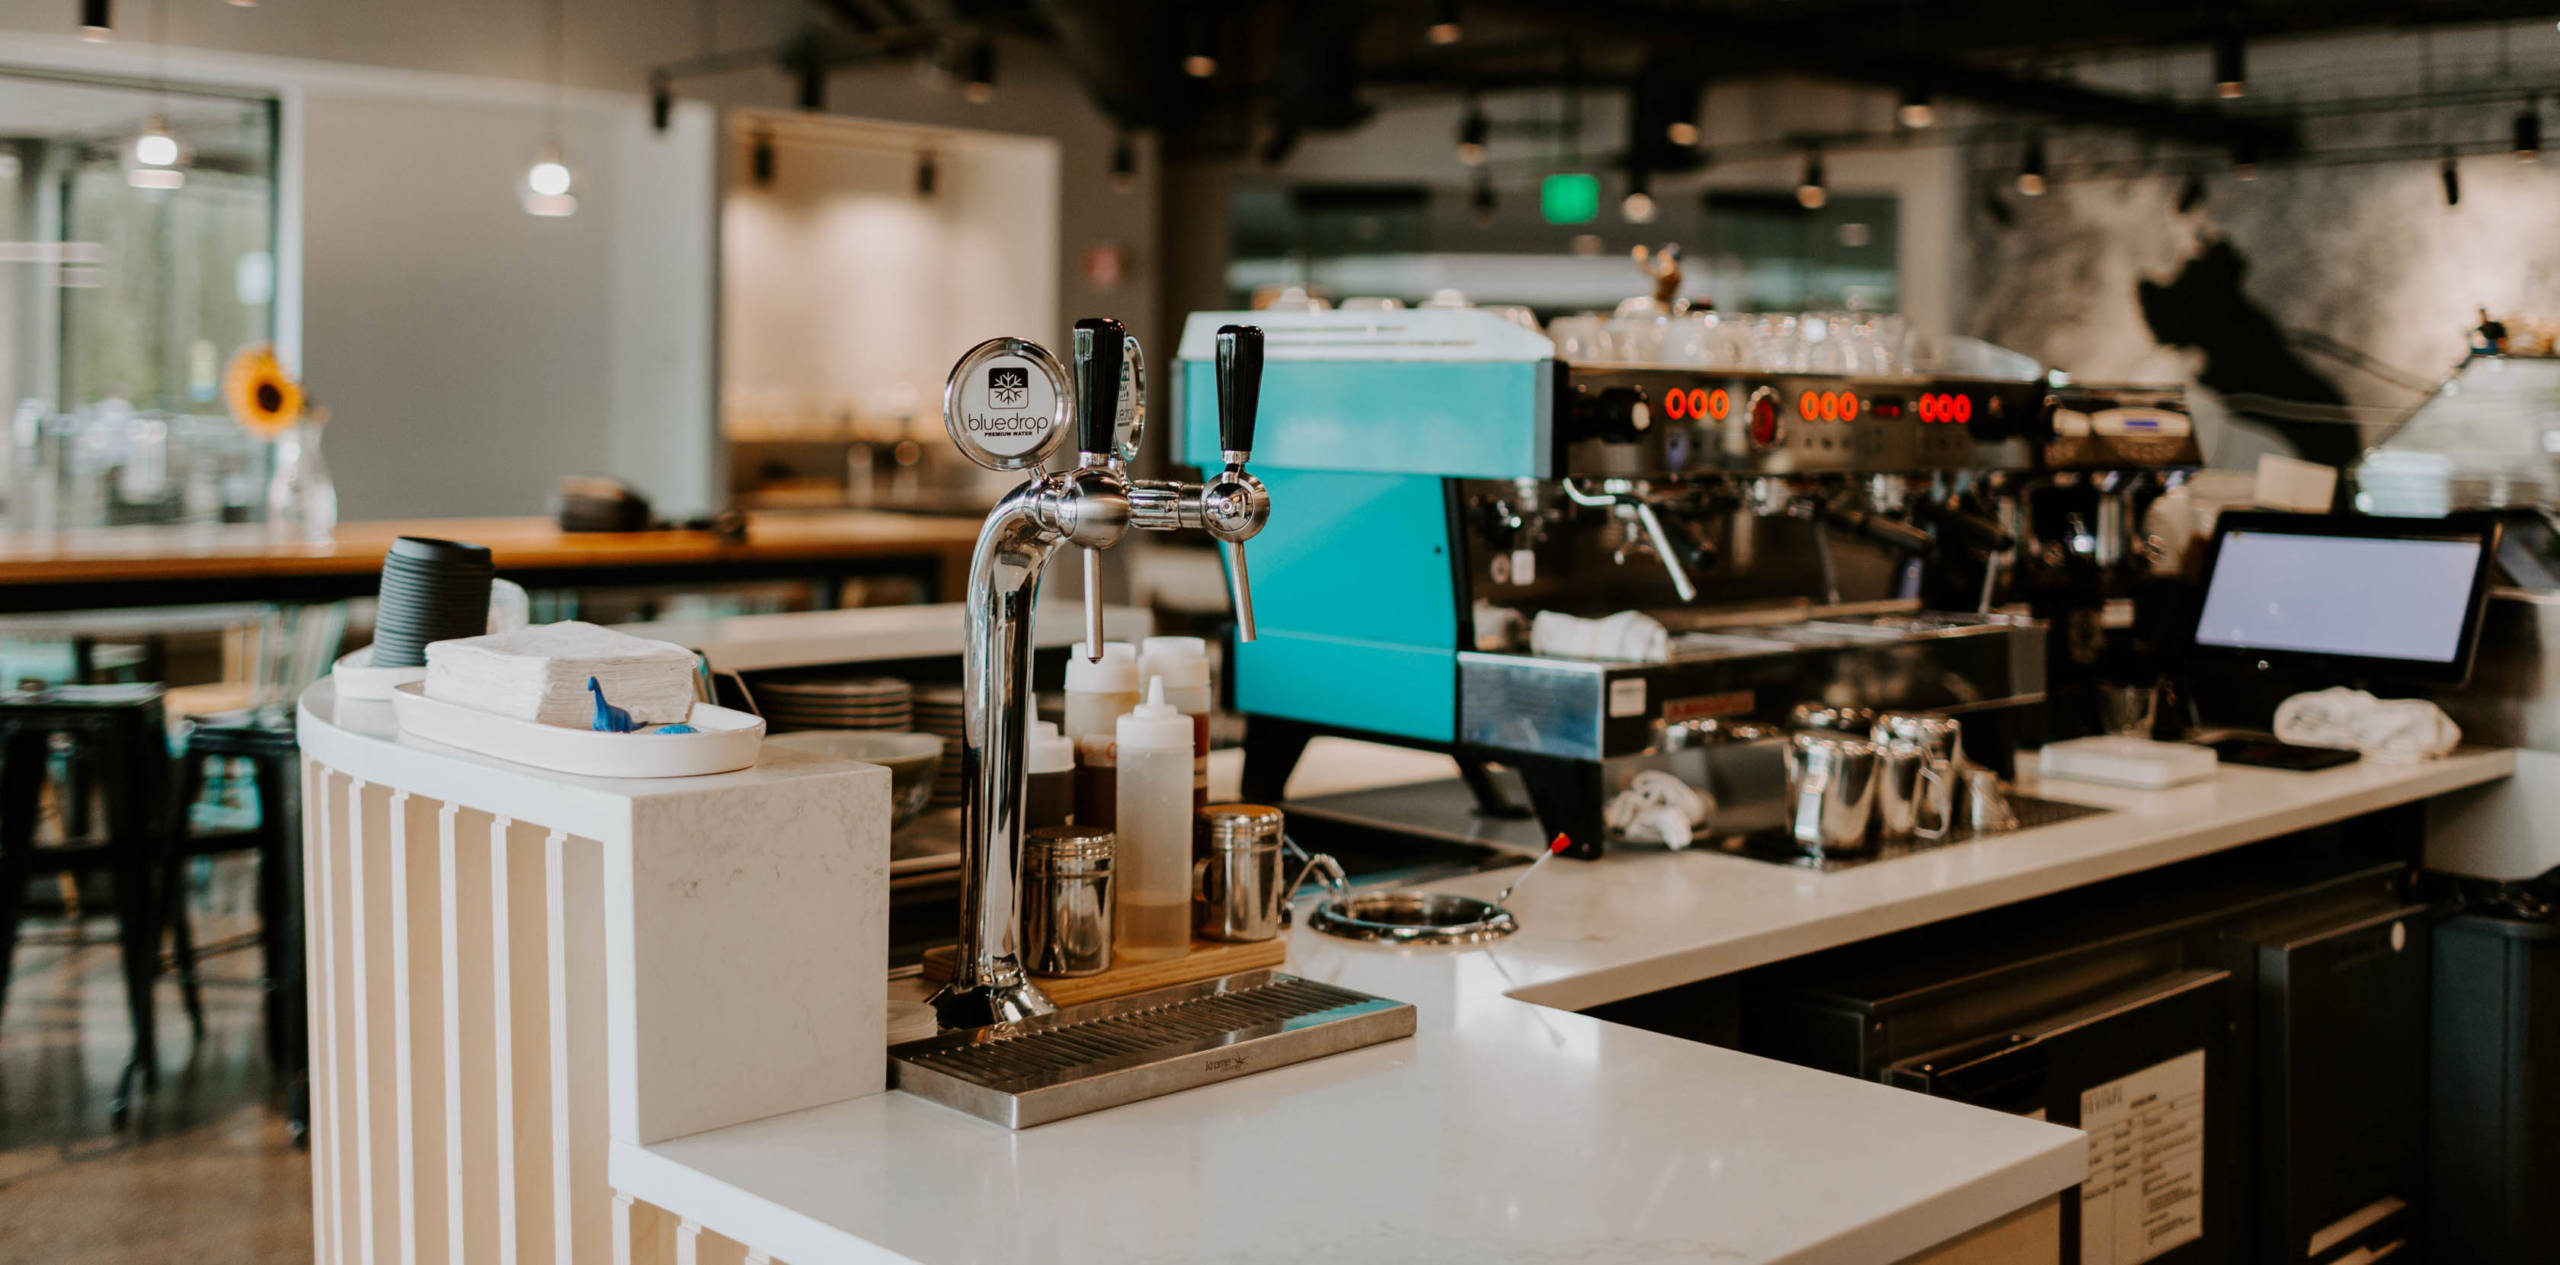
column 727, row 742
column 358, row 678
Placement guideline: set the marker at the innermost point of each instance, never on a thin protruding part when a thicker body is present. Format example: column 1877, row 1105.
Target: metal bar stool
column 274, row 758
column 118, row 730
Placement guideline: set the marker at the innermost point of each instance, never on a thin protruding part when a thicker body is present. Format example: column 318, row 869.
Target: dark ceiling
column 1287, row 68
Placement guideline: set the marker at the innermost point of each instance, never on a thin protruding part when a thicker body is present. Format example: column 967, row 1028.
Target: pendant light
column 979, row 84
column 154, row 159
column 2031, row 181
column 2528, row 132
column 2231, row 66
column 97, row 20
column 1200, row 57
column 1811, row 193
column 1482, row 204
column 1444, row 28
column 1917, row 110
column 1124, row 164
column 2451, row 175
column 1473, row 130
column 550, row 188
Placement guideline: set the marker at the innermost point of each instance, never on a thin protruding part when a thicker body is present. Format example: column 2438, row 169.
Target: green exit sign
column 1570, row 199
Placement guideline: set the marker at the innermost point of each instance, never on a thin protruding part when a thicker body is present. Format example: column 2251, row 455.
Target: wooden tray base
column 1208, row 959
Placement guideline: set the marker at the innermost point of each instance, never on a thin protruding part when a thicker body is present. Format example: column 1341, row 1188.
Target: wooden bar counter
column 93, row 568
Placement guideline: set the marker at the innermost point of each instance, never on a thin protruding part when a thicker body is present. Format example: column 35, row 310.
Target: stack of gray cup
column 432, row 590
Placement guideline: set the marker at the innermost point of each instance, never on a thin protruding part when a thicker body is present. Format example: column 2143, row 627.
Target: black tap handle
column 1101, row 346
column 1239, row 387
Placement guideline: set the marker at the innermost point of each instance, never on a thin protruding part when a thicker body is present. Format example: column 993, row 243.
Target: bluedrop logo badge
column 1008, row 387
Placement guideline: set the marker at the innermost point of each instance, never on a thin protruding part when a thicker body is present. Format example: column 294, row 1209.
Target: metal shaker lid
column 1242, row 825
column 1069, row 849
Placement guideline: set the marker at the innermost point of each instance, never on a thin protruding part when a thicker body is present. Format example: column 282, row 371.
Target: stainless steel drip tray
column 1106, row 1053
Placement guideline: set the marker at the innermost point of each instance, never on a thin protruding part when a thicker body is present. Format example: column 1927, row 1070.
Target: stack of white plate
column 940, row 710
column 836, row 703
column 911, row 1021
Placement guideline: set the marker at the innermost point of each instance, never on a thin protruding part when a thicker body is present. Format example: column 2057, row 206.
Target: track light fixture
column 1917, row 111
column 2244, row 158
column 1124, row 164
column 2528, row 131
column 1444, row 28
column 928, row 175
column 979, row 65
column 2451, row 175
column 1482, row 203
column 662, row 101
column 97, row 20
column 2031, row 181
column 813, row 85
column 1811, row 192
column 2231, row 66
column 1473, row 130
column 760, row 159
column 1681, row 132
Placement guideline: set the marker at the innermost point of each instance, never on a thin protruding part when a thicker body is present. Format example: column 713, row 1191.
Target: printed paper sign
column 2145, row 1191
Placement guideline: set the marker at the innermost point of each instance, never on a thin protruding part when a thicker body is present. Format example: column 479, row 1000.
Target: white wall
column 470, row 353
column 843, row 289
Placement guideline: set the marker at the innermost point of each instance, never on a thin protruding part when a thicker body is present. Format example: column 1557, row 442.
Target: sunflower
column 264, row 399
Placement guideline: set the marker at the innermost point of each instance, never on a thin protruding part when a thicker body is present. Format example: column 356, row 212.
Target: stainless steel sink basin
column 1414, row 918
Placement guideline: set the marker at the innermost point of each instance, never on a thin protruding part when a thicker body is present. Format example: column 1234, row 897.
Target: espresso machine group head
column 1008, row 406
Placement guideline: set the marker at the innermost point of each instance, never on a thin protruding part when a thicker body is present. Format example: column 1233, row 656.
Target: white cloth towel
column 540, row 674
column 2392, row 731
column 1628, row 635
column 1658, row 806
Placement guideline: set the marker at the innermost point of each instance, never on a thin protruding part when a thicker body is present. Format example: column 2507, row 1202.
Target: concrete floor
column 205, row 1173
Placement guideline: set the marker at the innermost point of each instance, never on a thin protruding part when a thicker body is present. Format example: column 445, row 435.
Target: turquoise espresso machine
column 1441, row 478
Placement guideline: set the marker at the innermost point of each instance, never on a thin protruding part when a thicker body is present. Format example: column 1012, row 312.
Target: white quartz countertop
column 1511, row 1128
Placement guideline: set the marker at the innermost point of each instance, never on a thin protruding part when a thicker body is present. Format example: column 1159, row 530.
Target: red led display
column 1718, row 404
column 1946, row 408
column 1675, row 404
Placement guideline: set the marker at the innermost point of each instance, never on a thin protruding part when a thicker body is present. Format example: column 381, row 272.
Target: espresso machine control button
column 1764, row 420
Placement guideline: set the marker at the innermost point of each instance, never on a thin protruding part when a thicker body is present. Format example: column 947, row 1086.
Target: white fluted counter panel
column 511, row 969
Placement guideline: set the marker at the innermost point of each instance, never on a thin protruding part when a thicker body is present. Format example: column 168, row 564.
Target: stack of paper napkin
column 541, row 673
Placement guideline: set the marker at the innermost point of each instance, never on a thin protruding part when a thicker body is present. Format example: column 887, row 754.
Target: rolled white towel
column 2391, row 731
column 1632, row 636
column 1658, row 805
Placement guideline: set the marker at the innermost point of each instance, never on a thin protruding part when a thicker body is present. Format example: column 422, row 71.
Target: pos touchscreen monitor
column 2349, row 596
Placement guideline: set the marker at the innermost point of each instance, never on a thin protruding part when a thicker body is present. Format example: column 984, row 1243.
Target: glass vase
column 302, row 502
